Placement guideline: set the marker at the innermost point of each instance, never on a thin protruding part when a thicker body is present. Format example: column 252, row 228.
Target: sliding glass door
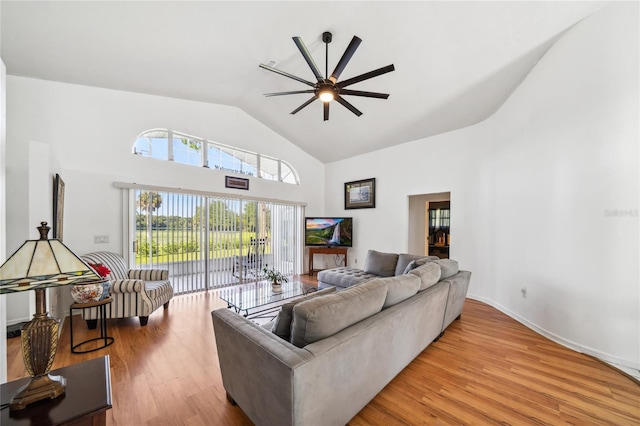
column 211, row 241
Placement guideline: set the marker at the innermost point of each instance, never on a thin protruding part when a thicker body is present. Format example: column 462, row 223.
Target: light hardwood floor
column 486, row 369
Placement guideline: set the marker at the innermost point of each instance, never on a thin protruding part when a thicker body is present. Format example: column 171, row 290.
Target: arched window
column 153, row 143
column 165, row 144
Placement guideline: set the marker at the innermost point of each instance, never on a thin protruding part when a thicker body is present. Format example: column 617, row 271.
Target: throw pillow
column 429, row 274
column 381, row 264
column 403, row 262
column 325, row 316
column 282, row 325
column 418, row 262
column 400, row 288
column 411, row 265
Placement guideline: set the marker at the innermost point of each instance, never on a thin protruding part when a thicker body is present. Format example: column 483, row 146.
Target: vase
column 91, row 291
column 276, row 288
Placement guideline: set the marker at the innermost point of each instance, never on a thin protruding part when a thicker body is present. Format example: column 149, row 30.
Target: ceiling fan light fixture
column 326, row 91
column 326, row 95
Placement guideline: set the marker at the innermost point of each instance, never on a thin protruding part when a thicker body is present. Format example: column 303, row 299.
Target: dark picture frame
column 58, row 207
column 236, row 182
column 360, row 194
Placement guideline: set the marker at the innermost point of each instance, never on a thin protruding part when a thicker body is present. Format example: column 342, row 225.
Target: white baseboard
column 608, row 358
column 18, row 321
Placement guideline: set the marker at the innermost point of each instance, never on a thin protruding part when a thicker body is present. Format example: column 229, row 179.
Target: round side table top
column 92, row 304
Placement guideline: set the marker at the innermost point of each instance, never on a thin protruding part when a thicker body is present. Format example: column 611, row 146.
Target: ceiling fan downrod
column 326, row 38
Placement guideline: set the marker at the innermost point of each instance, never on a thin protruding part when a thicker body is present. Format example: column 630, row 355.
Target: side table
column 101, row 305
column 85, row 402
column 325, row 250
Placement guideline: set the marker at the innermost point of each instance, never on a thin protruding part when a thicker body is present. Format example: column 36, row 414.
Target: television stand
column 325, row 250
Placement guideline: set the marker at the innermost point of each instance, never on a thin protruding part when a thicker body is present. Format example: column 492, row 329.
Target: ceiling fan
column 328, row 88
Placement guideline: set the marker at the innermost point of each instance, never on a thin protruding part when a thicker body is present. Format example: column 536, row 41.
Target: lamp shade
column 43, row 263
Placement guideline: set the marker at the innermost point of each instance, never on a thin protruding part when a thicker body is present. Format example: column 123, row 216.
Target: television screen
column 328, row 231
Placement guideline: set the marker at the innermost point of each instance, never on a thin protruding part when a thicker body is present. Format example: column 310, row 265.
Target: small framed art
column 360, row 194
column 236, row 182
column 58, row 206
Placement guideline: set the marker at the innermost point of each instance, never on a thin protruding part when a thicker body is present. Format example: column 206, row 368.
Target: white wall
column 89, row 133
column 34, row 207
column 3, row 223
column 531, row 188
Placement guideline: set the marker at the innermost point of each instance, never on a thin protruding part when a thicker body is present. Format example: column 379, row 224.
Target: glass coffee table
column 256, row 300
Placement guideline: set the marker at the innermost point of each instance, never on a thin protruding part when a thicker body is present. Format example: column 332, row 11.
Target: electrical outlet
column 524, row 292
column 101, row 239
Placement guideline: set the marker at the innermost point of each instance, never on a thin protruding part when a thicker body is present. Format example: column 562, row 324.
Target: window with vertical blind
column 209, row 240
column 168, row 145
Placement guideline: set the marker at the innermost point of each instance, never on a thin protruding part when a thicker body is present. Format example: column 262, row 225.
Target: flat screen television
column 328, row 231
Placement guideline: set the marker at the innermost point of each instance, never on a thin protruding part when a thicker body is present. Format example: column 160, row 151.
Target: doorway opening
column 430, row 224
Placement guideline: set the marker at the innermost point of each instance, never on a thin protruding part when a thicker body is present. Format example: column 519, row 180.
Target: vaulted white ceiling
column 456, row 62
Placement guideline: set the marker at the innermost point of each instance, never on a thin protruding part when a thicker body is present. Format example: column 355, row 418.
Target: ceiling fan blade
column 346, row 57
column 286, row 74
column 304, row 105
column 366, row 76
column 348, row 106
column 326, row 110
column 365, row 94
column 289, row 93
column 307, row 57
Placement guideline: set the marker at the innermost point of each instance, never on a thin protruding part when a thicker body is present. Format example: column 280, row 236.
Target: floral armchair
column 135, row 292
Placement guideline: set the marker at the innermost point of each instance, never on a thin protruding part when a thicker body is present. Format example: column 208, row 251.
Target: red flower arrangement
column 100, row 269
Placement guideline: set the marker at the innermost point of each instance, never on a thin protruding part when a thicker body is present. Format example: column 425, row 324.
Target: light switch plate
column 100, row 239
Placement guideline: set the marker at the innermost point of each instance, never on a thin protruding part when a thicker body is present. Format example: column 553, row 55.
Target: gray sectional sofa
column 377, row 264
column 342, row 349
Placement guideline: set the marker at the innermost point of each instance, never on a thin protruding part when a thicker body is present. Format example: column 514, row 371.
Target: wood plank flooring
column 487, row 369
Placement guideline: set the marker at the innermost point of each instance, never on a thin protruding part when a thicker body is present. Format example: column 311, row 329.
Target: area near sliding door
column 211, row 240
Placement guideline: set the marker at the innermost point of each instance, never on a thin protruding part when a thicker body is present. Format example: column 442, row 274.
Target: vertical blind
column 213, row 241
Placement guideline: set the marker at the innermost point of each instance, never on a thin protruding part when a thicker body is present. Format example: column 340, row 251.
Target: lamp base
column 39, row 344
column 37, row 389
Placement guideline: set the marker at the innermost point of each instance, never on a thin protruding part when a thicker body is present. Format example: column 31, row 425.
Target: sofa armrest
column 457, row 295
column 257, row 367
column 127, row 286
column 149, row 274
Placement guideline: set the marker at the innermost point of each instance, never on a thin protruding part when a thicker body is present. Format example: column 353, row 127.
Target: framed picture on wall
column 360, row 194
column 58, row 206
column 236, row 182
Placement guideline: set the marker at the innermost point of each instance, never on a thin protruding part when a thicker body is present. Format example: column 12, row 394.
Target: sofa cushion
column 343, row 276
column 429, row 274
column 281, row 326
column 417, row 262
column 404, row 259
column 321, row 317
column 449, row 267
column 399, row 288
column 381, row 264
